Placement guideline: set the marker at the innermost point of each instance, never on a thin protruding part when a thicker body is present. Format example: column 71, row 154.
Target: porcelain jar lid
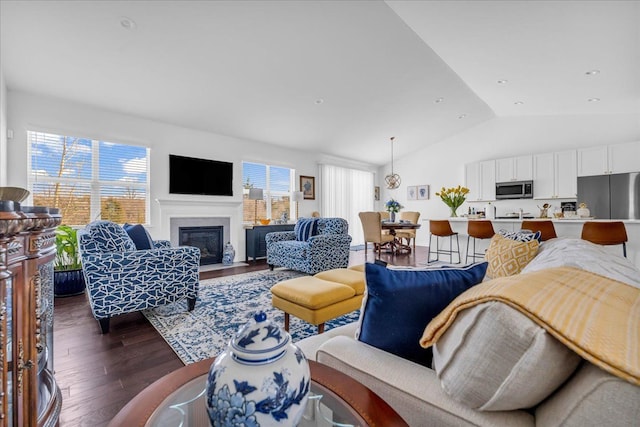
column 260, row 341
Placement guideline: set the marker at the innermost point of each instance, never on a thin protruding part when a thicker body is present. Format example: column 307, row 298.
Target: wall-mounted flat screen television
column 188, row 175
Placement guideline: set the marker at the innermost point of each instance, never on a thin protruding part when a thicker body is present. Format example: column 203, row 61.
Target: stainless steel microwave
column 514, row 190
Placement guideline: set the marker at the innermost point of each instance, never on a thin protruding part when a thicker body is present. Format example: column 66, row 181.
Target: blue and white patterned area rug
column 223, row 305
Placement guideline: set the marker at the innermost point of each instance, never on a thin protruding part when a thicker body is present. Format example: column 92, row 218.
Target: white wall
column 442, row 164
column 30, row 112
column 3, row 130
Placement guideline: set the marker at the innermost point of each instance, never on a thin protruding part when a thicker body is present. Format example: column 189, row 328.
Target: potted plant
column 68, row 278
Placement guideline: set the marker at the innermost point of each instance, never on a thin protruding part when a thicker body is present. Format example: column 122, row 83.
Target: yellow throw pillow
column 507, row 257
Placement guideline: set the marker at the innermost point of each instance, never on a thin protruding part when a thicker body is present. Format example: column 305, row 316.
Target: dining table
column 396, row 245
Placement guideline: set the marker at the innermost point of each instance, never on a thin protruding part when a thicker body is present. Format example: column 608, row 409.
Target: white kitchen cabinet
column 488, row 180
column 593, row 161
column 608, row 159
column 544, row 176
column 514, row 169
column 480, row 179
column 566, row 174
column 472, row 180
column 624, row 158
column 555, row 175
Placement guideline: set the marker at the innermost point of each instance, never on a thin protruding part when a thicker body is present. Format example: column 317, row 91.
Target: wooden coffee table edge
column 370, row 406
column 138, row 411
column 374, row 410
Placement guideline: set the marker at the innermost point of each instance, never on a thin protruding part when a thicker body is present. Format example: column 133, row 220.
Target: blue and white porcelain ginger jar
column 261, row 379
column 228, row 254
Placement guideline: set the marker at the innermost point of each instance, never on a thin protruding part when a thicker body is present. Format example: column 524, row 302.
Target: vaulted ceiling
column 337, row 77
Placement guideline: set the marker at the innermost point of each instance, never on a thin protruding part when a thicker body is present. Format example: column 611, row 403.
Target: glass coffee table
column 179, row 399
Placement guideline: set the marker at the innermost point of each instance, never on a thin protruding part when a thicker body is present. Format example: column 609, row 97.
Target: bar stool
column 481, row 229
column 606, row 233
column 545, row 227
column 442, row 228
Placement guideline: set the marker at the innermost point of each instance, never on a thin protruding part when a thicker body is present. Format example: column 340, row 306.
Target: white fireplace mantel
column 186, row 208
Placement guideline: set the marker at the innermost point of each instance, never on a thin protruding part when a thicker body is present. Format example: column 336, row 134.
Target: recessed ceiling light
column 518, row 103
column 462, row 116
column 593, row 99
column 592, row 72
column 439, row 100
column 128, row 23
column 501, row 82
column 319, row 101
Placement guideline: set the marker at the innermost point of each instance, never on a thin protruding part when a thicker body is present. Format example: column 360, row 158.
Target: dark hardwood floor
column 98, row 374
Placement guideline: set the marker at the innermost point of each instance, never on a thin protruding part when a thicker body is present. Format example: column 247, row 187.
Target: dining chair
column 385, row 216
column 372, row 228
column 408, row 235
column 442, row 228
column 545, row 227
column 606, row 233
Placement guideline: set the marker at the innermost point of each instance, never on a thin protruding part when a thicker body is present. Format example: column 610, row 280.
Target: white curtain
column 345, row 193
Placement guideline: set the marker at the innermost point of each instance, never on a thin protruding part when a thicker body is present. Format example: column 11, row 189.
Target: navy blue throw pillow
column 400, row 303
column 139, row 235
column 305, row 228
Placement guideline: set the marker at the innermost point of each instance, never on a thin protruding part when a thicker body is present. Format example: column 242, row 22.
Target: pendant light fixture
column 393, row 179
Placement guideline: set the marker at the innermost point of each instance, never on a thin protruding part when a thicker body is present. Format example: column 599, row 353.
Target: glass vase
column 453, row 209
column 392, row 216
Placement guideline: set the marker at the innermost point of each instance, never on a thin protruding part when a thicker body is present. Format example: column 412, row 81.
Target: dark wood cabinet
column 256, row 244
column 29, row 393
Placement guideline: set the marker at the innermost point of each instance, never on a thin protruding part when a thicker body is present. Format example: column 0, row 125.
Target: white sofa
column 578, row 393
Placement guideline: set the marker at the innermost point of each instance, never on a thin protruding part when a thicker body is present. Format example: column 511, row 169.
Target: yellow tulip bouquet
column 453, row 197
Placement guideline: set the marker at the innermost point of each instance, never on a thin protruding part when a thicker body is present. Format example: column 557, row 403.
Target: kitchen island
column 564, row 228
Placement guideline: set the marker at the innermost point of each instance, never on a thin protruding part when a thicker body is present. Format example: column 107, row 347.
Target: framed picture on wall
column 376, row 193
column 412, row 192
column 308, row 187
column 423, row 192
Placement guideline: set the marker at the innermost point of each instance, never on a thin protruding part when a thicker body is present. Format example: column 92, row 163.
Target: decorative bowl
column 15, row 194
column 265, row 221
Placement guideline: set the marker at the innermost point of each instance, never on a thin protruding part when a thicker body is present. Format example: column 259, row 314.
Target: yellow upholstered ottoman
column 345, row 276
column 359, row 267
column 319, row 299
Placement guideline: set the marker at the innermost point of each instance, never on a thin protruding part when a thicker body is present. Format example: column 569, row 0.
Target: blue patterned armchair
column 315, row 245
column 121, row 279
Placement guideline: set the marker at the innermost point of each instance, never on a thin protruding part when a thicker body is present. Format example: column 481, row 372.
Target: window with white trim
column 276, row 183
column 89, row 179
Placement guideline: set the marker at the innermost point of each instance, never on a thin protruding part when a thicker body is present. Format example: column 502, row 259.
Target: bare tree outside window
column 89, row 179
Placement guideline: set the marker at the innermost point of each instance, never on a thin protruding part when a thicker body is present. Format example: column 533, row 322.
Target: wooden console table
column 255, row 242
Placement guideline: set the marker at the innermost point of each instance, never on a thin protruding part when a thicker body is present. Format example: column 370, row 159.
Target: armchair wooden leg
column 104, row 325
column 271, row 267
column 320, row 328
column 191, row 303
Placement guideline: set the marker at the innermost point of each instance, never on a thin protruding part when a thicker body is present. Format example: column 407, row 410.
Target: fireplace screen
column 207, row 239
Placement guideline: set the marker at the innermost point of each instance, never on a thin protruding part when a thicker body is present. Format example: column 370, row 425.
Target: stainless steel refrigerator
column 615, row 196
